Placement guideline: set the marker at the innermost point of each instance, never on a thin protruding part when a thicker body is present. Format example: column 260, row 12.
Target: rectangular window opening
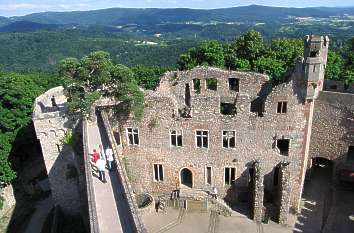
column 202, row 139
column 133, row 136
column 350, row 155
column 116, row 135
column 208, row 175
column 282, row 107
column 212, row 84
column 229, row 175
column 234, row 84
column 228, row 109
column 176, row 137
column 228, row 139
column 158, row 172
column 283, row 145
column 196, row 85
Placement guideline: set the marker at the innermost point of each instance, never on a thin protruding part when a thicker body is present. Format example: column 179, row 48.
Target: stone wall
column 333, row 126
column 255, row 136
column 51, row 124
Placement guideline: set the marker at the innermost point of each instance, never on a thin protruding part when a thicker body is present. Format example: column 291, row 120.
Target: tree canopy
column 95, row 75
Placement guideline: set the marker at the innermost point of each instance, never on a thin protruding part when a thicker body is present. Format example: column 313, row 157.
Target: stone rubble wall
column 255, row 136
column 51, row 125
column 333, row 126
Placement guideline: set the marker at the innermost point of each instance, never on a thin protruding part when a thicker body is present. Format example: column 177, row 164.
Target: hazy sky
column 22, row 7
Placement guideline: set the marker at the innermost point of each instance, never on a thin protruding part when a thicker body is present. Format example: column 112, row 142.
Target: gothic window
column 229, row 175
column 228, row 139
column 158, row 172
column 282, row 107
column 176, row 137
column 202, row 138
column 133, row 136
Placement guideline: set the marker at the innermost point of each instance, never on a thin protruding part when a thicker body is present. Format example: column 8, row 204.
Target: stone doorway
column 186, row 177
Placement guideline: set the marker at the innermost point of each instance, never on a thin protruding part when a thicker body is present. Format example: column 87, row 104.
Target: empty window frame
column 229, row 175
column 158, row 172
column 196, row 85
column 212, row 84
column 202, row 138
column 234, row 84
column 208, row 174
column 227, row 109
column 133, row 136
column 283, row 146
column 116, row 135
column 228, row 139
column 350, row 155
column 176, row 137
column 282, row 107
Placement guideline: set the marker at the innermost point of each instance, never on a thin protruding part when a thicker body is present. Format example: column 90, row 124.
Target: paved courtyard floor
column 205, row 222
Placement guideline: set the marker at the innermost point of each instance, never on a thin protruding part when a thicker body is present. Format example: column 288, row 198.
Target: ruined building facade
column 240, row 132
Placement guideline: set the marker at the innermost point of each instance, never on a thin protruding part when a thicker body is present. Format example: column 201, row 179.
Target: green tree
column 17, row 93
column 335, row 66
column 267, row 65
column 209, row 53
column 148, row 77
column 286, row 50
column 249, row 46
column 94, row 76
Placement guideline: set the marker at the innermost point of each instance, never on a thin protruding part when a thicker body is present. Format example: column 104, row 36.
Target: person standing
column 103, row 156
column 95, row 156
column 215, row 193
column 101, row 166
column 110, row 159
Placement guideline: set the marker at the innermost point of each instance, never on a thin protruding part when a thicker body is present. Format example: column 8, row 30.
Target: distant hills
column 123, row 16
column 179, row 23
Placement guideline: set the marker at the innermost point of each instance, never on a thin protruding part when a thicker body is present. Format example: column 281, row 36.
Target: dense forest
column 31, row 54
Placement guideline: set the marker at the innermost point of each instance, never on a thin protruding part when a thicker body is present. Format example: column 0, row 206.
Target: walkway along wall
column 122, row 173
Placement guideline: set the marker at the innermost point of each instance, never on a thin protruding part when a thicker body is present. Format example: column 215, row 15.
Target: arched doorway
column 186, row 177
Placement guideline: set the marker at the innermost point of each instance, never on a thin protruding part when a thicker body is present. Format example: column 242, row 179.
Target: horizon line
column 162, row 8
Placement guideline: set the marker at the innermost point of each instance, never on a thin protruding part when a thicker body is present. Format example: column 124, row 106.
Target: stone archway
column 186, row 177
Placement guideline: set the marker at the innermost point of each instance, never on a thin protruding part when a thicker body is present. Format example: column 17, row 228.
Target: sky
column 23, row 7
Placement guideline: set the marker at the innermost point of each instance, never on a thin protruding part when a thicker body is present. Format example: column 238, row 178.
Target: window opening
column 282, row 107
column 350, row 155
column 116, row 135
column 158, row 172
column 227, row 109
column 212, row 84
column 283, row 145
column 234, row 84
column 176, row 137
column 228, row 139
column 133, row 136
column 202, row 139
column 276, row 176
column 196, row 85
column 208, row 175
column 187, row 96
column 230, row 175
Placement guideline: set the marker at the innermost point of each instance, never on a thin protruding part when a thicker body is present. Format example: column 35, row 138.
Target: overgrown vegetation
column 250, row 52
column 95, row 75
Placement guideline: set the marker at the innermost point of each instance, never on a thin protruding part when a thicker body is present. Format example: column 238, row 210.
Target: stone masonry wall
column 51, row 124
column 333, row 126
column 255, row 136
